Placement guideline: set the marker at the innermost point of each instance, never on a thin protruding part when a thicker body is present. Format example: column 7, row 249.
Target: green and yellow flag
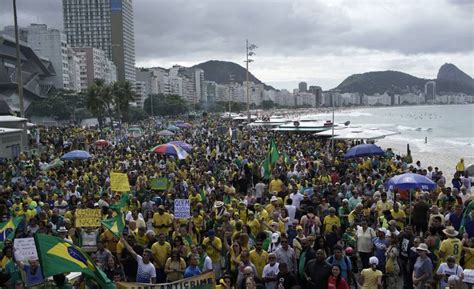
column 115, row 224
column 57, row 256
column 274, row 154
column 121, row 203
column 8, row 228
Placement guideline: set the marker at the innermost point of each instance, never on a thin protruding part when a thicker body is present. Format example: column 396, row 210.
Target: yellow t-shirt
column 397, row 215
column 159, row 220
column 275, row 186
column 141, row 240
column 451, row 247
column 4, row 262
column 370, row 278
column 214, row 254
column 161, row 253
column 469, row 258
column 329, row 221
column 254, row 226
column 259, row 260
column 381, row 206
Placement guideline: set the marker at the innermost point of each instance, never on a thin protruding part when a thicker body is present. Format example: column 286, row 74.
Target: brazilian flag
column 8, row 228
column 274, row 154
column 121, row 203
column 58, row 256
column 115, row 224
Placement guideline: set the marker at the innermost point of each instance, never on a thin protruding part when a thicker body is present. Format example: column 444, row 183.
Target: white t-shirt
column 444, row 269
column 271, row 271
column 291, row 212
column 296, row 198
column 145, row 271
column 207, row 264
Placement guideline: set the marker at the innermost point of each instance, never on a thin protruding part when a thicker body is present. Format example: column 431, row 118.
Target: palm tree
column 99, row 100
column 123, row 93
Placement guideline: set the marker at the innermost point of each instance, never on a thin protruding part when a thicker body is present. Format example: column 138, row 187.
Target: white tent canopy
column 348, row 133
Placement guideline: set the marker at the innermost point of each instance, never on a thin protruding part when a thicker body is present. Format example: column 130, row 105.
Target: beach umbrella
column 172, row 128
column 170, row 150
column 165, row 133
column 76, row 155
column 364, row 150
column 102, row 143
column 182, row 144
column 470, row 170
column 184, row 125
column 410, row 181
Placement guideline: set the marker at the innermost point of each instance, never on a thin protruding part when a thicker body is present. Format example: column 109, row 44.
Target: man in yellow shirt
column 276, row 185
column 162, row 221
column 383, row 204
column 214, row 249
column 331, row 220
column 253, row 223
column 452, row 246
column 398, row 215
column 259, row 258
column 161, row 251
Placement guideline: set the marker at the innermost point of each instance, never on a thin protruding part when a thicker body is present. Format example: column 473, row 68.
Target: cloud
column 296, row 38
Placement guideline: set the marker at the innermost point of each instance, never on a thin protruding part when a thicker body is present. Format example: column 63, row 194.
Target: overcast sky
column 320, row 42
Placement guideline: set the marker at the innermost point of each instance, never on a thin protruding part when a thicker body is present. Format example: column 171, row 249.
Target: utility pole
column 231, row 92
column 249, row 52
column 332, row 134
column 19, row 78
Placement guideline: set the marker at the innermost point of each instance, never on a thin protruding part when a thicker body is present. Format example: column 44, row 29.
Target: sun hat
column 450, row 231
column 373, row 260
column 218, row 204
column 423, row 247
column 274, row 199
column 299, row 228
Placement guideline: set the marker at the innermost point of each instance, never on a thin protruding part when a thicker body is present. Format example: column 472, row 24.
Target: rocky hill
column 220, row 72
column 449, row 79
column 381, row 81
column 452, row 79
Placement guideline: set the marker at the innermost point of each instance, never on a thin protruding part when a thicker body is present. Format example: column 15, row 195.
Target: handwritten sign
column 88, row 218
column 182, row 209
column 468, row 276
column 119, row 182
column 25, row 249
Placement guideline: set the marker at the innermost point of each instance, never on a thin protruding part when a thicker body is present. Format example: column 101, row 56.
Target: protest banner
column 182, row 209
column 119, row 182
column 203, row 281
column 159, row 184
column 88, row 218
column 25, row 249
column 468, row 276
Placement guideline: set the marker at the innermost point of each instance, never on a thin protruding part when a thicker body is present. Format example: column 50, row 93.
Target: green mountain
column 221, row 71
column 381, row 81
column 450, row 79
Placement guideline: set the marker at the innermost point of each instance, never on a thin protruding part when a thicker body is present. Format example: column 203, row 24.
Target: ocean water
column 448, row 129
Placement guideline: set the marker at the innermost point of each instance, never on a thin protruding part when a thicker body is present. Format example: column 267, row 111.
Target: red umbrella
column 102, row 143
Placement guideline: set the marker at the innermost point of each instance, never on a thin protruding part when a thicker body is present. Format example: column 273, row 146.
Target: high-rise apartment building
column 104, row 24
column 302, row 86
column 51, row 44
column 94, row 65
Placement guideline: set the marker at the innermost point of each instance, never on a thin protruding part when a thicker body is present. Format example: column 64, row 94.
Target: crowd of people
column 317, row 220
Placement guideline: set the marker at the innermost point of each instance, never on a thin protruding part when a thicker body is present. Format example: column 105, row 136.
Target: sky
column 320, row 42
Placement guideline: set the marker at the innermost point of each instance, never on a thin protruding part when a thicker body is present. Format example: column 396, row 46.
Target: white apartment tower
column 104, row 24
column 51, row 44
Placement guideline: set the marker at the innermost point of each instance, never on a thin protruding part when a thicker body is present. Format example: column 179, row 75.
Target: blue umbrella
column 364, row 150
column 172, row 128
column 76, row 155
column 410, row 181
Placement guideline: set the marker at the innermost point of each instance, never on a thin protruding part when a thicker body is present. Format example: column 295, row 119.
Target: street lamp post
column 249, row 52
column 19, row 79
column 332, row 133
